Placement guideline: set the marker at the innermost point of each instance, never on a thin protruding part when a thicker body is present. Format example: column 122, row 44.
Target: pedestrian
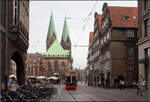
column 120, row 84
column 13, row 88
column 99, row 84
column 144, row 85
column 13, row 84
column 139, row 88
column 134, row 85
column 123, row 84
column 9, row 81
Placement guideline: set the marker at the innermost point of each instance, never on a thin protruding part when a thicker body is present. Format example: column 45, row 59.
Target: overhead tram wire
column 84, row 27
column 85, row 24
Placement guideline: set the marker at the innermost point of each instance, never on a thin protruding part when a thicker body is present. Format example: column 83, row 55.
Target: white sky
column 78, row 11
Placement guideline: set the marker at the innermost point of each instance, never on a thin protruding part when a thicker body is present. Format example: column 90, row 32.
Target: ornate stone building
column 90, row 59
column 144, row 39
column 94, row 52
column 14, row 37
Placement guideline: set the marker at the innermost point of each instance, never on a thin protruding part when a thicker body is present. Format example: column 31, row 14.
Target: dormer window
column 126, row 18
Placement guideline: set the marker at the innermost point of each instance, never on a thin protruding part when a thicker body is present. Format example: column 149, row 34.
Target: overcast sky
column 78, row 13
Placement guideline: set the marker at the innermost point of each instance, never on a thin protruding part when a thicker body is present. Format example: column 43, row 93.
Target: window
column 15, row 5
column 56, row 66
column 130, row 53
column 126, row 18
column 130, row 68
column 35, row 70
column 101, row 41
column 147, row 27
column 146, row 4
column 130, row 33
column 49, row 69
column 104, row 39
column 63, row 66
column 108, row 35
column 147, row 53
column 96, row 43
column 96, row 33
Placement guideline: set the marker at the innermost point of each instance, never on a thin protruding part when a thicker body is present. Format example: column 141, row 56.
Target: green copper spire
column 51, row 29
column 65, row 33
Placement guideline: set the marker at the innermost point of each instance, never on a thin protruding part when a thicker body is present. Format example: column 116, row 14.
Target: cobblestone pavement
column 88, row 93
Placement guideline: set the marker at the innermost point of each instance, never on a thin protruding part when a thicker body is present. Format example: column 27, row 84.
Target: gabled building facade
column 96, row 47
column 90, row 59
column 117, row 57
column 118, row 45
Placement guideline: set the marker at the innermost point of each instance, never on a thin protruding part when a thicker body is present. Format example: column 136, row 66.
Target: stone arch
column 20, row 70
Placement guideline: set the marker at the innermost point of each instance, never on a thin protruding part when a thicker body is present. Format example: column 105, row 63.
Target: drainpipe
column 0, row 47
column 6, row 48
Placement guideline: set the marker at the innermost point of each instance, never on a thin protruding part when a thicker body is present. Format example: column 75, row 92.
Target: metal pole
column 149, row 75
column 0, row 47
column 6, row 51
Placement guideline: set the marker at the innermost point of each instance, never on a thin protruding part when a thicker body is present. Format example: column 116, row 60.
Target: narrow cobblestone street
column 88, row 93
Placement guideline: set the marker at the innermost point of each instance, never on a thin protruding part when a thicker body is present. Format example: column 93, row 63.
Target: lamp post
column 149, row 75
column 93, row 72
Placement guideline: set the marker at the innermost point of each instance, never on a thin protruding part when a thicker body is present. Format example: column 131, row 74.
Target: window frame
column 146, row 4
column 146, row 27
column 131, row 52
column 130, row 33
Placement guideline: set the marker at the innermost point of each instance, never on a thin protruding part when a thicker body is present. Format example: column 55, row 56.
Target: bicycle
column 54, row 92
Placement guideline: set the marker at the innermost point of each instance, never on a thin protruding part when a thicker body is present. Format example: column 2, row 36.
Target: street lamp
column 149, row 75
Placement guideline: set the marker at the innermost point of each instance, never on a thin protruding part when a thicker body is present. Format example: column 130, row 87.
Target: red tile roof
column 91, row 38
column 117, row 14
column 99, row 21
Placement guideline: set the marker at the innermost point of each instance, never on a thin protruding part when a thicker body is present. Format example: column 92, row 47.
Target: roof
column 56, row 50
column 117, row 13
column 99, row 21
column 65, row 33
column 51, row 29
column 91, row 38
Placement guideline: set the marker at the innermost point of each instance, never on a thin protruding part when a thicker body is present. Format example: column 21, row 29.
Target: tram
column 70, row 82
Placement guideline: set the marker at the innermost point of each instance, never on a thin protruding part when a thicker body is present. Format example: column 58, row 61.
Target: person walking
column 120, row 84
column 13, row 88
column 9, row 81
column 139, row 88
column 144, row 85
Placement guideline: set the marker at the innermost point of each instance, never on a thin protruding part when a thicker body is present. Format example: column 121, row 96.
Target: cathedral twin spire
column 52, row 36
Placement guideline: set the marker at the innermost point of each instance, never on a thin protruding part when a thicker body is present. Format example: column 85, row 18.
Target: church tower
column 65, row 39
column 51, row 35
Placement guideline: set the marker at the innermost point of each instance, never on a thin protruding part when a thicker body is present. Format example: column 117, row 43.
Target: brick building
column 96, row 49
column 57, row 59
column 14, row 38
column 117, row 55
column 90, row 60
column 118, row 49
column 144, row 38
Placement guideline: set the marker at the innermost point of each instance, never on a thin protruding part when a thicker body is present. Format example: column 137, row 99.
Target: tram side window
column 68, row 79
